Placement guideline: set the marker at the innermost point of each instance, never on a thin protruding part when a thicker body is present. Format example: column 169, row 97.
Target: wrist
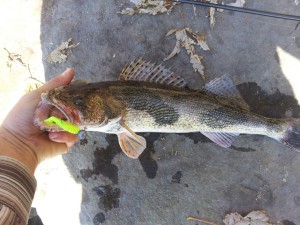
column 13, row 147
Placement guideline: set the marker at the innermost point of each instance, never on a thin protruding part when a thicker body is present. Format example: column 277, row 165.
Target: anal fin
column 223, row 139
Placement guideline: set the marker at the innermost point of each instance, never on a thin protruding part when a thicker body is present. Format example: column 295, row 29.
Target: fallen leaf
column 14, row 58
column 150, row 7
column 238, row 3
column 212, row 14
column 197, row 64
column 137, row 2
column 253, row 218
column 60, row 54
column 128, row 11
column 187, row 39
column 175, row 51
column 212, row 11
column 200, row 40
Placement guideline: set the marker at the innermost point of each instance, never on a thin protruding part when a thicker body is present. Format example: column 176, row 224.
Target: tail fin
column 292, row 135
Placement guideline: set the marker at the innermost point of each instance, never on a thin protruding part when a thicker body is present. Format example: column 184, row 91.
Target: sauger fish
column 150, row 98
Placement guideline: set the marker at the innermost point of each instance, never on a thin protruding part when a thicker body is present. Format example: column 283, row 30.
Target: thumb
column 64, row 79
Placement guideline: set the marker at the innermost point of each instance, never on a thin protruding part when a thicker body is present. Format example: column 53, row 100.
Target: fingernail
column 66, row 72
column 53, row 135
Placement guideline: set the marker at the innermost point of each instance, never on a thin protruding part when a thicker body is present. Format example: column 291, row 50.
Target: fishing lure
column 71, row 128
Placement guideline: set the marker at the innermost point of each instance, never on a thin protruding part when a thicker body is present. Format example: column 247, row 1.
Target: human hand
column 20, row 139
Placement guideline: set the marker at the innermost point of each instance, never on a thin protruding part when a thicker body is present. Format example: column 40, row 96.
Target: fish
column 150, row 98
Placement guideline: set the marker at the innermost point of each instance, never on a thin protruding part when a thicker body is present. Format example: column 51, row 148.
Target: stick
column 200, row 220
column 244, row 10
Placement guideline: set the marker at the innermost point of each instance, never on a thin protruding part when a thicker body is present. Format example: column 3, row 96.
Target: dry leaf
column 149, row 7
column 187, row 39
column 212, row 14
column 175, row 51
column 238, row 3
column 128, row 11
column 212, row 11
column 197, row 64
column 137, row 2
column 200, row 40
column 14, row 58
column 60, row 54
column 253, row 218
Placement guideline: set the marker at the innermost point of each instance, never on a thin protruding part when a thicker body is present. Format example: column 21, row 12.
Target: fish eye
column 78, row 100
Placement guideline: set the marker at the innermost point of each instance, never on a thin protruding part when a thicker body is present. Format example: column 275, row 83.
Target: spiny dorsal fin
column 224, row 89
column 140, row 70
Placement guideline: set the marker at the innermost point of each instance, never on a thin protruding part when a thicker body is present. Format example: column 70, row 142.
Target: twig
column 182, row 17
column 200, row 220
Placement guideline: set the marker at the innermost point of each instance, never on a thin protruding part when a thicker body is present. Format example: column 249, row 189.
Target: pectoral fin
column 131, row 144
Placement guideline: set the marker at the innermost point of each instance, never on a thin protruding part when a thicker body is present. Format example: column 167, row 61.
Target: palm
column 19, row 122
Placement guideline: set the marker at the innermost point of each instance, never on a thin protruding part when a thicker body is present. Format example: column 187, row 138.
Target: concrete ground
column 179, row 174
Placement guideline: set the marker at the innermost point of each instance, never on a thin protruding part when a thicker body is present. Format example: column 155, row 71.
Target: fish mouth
column 47, row 108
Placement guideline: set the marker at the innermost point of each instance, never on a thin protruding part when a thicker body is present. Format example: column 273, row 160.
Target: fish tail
column 292, row 135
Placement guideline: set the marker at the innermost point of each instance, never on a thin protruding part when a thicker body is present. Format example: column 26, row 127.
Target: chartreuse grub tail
column 71, row 128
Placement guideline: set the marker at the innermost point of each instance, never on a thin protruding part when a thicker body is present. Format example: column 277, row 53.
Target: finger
column 53, row 149
column 64, row 79
column 63, row 137
column 48, row 148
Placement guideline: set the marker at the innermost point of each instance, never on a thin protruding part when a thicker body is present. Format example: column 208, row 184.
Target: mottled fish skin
column 147, row 107
column 151, row 98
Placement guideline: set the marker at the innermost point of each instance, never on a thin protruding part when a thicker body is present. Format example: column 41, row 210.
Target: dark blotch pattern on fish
column 153, row 104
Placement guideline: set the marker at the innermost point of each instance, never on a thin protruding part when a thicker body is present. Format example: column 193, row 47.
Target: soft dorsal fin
column 140, row 70
column 224, row 89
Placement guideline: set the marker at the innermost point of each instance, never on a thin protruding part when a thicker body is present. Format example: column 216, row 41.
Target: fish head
column 82, row 107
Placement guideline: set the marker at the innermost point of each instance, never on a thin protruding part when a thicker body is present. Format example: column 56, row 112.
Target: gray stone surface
column 181, row 175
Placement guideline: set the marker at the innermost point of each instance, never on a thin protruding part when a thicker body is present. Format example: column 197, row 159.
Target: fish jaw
column 45, row 109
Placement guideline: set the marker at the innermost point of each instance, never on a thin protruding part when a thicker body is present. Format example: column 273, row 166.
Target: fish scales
column 161, row 109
